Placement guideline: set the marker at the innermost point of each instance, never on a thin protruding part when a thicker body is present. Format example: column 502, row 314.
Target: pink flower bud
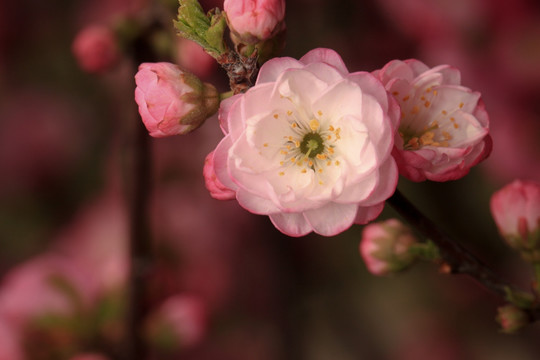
column 96, row 49
column 444, row 128
column 385, row 247
column 255, row 20
column 180, row 322
column 172, row 101
column 516, row 210
column 511, row 318
column 215, row 187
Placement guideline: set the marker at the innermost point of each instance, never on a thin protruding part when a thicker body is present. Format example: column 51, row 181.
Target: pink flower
column 516, row 210
column 384, row 247
column 255, row 20
column 216, row 188
column 309, row 145
column 96, row 49
column 182, row 319
column 172, row 101
column 444, row 128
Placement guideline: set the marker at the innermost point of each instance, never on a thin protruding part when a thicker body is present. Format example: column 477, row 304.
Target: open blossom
column 172, row 101
column 255, row 20
column 516, row 210
column 444, row 128
column 310, row 145
column 384, row 247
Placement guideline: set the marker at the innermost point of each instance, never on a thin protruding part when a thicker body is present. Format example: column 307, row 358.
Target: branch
column 458, row 260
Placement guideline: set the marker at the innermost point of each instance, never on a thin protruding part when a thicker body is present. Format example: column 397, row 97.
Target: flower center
column 420, row 125
column 312, row 144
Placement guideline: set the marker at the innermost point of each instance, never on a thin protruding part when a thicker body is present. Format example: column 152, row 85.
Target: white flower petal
column 327, row 56
column 270, row 70
column 332, row 218
column 293, row 224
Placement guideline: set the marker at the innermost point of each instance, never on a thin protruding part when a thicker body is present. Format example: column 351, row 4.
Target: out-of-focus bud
column 385, row 247
column 180, row 322
column 96, row 49
column 516, row 210
column 172, row 101
column 215, row 187
column 192, row 57
column 256, row 23
column 511, row 318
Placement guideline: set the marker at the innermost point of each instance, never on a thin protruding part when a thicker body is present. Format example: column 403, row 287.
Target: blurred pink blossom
column 444, row 128
column 192, row 57
column 255, row 20
column 516, row 211
column 9, row 342
column 309, row 145
column 95, row 48
column 182, row 317
column 385, row 245
column 172, row 101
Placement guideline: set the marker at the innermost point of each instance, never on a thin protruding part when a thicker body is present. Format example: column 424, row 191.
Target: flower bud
column 511, row 318
column 215, row 187
column 385, row 247
column 516, row 211
column 172, row 101
column 252, row 21
column 96, row 49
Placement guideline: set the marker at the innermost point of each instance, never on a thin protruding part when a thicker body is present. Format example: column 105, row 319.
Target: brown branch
column 241, row 70
column 456, row 258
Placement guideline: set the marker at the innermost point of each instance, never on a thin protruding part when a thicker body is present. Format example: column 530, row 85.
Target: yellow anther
column 406, row 98
column 446, row 135
column 395, row 93
column 294, row 125
column 289, row 112
column 320, row 182
column 415, row 110
column 276, row 116
column 461, row 105
column 452, row 119
column 427, row 104
column 423, row 98
column 303, row 171
column 428, row 89
column 444, row 112
column 435, row 92
column 314, row 124
column 310, row 163
column 329, row 137
column 281, row 163
column 337, row 163
column 283, row 152
column 321, row 156
column 456, row 125
column 320, row 170
column 297, row 143
column 331, row 128
column 319, row 113
column 330, row 150
column 265, row 144
column 328, row 163
column 281, row 173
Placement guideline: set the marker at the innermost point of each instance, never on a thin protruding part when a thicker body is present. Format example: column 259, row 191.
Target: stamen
column 314, row 124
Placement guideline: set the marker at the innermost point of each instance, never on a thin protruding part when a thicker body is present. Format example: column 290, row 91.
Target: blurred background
column 226, row 284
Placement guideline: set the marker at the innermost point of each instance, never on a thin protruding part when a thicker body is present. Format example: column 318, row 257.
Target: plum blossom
column 516, row 211
column 172, row 101
column 310, row 145
column 255, row 20
column 444, row 128
column 384, row 247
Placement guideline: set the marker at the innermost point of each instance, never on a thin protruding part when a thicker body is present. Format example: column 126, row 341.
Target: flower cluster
column 309, row 145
